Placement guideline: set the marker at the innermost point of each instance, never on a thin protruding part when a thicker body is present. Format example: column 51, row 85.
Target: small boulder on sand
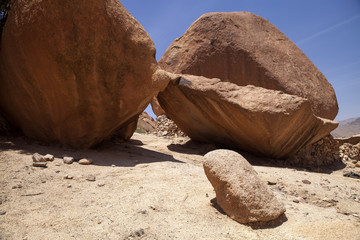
column 239, row 190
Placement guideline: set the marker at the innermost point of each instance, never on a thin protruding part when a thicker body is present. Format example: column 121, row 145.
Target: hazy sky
column 327, row 31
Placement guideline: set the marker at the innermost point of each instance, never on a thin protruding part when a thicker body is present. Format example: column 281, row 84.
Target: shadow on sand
column 126, row 154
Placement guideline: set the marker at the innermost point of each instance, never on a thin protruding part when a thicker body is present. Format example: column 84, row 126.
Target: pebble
column 306, row 181
column 298, row 200
column 271, row 183
column 113, row 165
column 68, row 160
column 357, row 164
column 40, row 164
column 38, row 158
column 57, row 164
column 69, row 186
column 17, row 186
column 49, row 157
column 57, row 171
column 2, row 212
column 68, row 177
column 85, row 161
column 91, row 178
column 101, row 184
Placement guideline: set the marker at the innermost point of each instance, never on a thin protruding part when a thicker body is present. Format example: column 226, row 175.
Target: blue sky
column 327, row 31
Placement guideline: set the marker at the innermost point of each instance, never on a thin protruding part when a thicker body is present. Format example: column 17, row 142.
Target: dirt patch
column 155, row 188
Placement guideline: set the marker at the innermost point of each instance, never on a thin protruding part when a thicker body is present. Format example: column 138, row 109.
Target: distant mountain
column 347, row 128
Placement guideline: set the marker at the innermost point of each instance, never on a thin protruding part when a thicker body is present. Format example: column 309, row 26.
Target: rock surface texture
column 245, row 49
column 157, row 109
column 239, row 190
column 265, row 122
column 73, row 72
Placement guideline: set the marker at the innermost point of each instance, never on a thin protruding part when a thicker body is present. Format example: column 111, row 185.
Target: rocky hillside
column 347, row 128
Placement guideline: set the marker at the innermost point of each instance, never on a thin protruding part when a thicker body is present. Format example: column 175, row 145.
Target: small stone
column 306, row 213
column 2, row 212
column 101, row 184
column 91, row 178
column 357, row 164
column 271, row 183
column 351, row 174
column 38, row 158
column 68, row 160
column 140, row 232
column 40, row 164
column 57, row 171
column 306, row 181
column 113, row 165
column 68, row 177
column 49, row 158
column 69, row 186
column 298, row 200
column 57, row 164
column 85, row 161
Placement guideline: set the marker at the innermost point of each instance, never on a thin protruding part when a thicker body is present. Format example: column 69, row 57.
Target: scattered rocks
column 323, row 152
column 239, row 190
column 68, row 160
column 91, row 178
column 49, row 157
column 38, row 158
column 85, row 161
column 17, row 186
column 165, row 127
column 40, row 164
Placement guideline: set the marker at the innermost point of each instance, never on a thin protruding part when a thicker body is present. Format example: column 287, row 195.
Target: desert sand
column 155, row 188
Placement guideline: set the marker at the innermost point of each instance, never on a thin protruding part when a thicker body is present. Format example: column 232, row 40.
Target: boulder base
column 265, row 122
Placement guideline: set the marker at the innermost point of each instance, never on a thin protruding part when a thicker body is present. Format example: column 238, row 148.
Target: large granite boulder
column 245, row 49
column 266, row 122
column 75, row 71
column 239, row 190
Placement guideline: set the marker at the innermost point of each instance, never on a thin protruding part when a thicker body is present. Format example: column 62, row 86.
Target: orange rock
column 265, row 122
column 246, row 49
column 73, row 72
column 239, row 190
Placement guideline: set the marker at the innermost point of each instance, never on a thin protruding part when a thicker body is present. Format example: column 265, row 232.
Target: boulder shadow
column 107, row 153
column 255, row 225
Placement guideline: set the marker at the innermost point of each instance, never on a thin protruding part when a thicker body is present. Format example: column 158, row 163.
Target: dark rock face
column 75, row 71
column 265, row 122
column 245, row 49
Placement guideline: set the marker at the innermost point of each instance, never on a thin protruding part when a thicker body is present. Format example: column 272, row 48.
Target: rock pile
column 323, row 152
column 350, row 155
column 165, row 127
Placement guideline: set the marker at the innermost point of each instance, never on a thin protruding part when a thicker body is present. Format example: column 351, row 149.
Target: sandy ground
column 155, row 188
